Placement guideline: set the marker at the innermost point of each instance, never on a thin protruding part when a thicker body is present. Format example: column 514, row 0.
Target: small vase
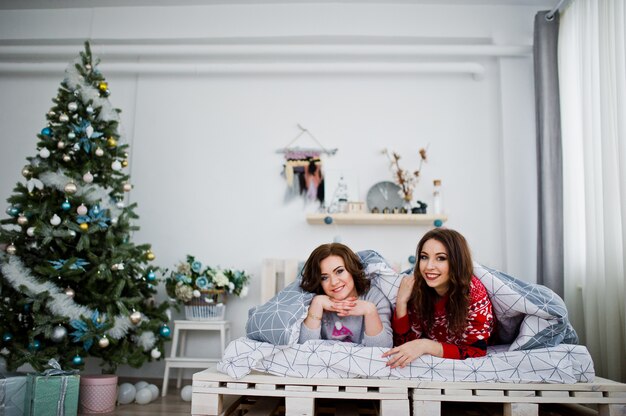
column 407, row 208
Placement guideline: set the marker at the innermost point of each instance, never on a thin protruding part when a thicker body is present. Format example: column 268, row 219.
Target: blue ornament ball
column 65, row 206
column 46, row 131
column 438, row 223
column 77, row 360
column 35, row 345
column 151, row 276
column 7, row 337
column 13, row 211
column 412, row 259
column 328, row 219
column 165, row 331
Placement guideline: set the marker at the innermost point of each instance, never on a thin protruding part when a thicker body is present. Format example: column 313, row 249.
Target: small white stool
column 181, row 361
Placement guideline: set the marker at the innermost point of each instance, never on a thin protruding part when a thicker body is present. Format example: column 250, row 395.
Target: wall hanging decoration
column 302, row 168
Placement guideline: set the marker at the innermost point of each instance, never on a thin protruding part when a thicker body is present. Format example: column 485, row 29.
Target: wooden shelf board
column 376, row 219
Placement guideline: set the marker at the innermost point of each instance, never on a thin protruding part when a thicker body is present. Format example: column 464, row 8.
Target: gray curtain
column 549, row 157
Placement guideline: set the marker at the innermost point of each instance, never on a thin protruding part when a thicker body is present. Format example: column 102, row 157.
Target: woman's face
column 337, row 282
column 434, row 267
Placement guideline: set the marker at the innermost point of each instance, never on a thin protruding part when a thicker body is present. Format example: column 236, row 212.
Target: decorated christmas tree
column 72, row 284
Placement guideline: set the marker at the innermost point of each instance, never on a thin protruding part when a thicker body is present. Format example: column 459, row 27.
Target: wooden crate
column 211, row 388
column 520, row 399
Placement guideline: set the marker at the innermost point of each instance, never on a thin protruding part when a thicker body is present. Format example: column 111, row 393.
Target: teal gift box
column 51, row 395
column 12, row 394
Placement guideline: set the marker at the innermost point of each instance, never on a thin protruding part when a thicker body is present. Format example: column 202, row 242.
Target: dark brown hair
column 460, row 272
column 312, row 274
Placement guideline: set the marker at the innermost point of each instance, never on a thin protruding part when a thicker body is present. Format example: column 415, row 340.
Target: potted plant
column 203, row 290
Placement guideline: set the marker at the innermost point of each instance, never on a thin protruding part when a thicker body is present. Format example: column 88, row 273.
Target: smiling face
column 434, row 266
column 337, row 282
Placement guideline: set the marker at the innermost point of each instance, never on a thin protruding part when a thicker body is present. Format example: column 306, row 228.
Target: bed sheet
column 563, row 363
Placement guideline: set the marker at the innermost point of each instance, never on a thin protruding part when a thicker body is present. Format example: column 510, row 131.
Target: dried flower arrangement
column 402, row 177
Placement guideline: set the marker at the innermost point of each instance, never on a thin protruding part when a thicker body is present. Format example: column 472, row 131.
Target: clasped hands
column 351, row 306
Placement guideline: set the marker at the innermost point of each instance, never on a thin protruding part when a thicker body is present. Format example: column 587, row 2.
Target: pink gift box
column 98, row 394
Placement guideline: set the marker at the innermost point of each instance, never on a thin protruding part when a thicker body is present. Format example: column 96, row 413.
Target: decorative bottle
column 437, row 202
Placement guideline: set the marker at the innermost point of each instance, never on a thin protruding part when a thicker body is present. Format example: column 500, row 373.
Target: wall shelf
column 376, row 219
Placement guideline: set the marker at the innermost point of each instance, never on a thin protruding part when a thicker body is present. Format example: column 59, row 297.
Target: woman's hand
column 404, row 294
column 353, row 307
column 404, row 354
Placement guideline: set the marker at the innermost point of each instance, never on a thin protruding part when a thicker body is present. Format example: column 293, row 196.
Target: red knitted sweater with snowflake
column 473, row 341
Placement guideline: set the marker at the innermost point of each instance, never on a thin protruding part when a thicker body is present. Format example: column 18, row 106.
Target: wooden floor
column 173, row 405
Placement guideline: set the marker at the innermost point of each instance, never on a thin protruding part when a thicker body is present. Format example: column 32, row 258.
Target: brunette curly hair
column 423, row 297
column 312, row 274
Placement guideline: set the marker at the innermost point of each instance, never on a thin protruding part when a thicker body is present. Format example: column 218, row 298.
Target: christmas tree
column 72, row 284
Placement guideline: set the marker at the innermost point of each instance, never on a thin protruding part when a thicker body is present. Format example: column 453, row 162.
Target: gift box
column 53, row 393
column 12, row 394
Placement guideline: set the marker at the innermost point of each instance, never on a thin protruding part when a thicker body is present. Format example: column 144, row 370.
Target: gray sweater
column 351, row 328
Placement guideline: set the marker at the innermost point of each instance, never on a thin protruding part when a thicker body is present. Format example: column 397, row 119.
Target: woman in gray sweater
column 346, row 306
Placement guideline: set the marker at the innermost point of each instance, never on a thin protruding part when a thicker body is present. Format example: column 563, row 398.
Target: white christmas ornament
column 30, row 231
column 44, row 153
column 72, row 106
column 99, row 152
column 185, row 393
column 81, row 210
column 155, row 353
column 55, row 220
column 143, row 396
column 88, row 177
column 116, row 165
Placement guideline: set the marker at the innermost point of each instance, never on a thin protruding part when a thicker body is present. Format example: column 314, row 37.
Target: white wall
column 204, row 130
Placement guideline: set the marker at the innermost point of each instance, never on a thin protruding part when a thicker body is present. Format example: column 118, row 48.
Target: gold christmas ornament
column 88, row 177
column 26, row 172
column 135, row 317
column 11, row 249
column 70, row 188
column 66, row 158
column 84, row 226
column 60, row 145
column 124, row 163
column 103, row 342
column 70, row 292
column 22, row 220
column 103, row 86
column 111, row 142
column 63, row 118
column 127, row 187
column 150, row 255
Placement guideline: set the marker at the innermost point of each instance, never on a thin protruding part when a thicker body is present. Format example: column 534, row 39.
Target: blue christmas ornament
column 412, row 259
column 7, row 337
column 27, row 307
column 328, row 220
column 438, row 223
column 46, row 131
column 77, row 360
column 165, row 331
column 35, row 345
column 65, row 206
column 13, row 211
column 151, row 276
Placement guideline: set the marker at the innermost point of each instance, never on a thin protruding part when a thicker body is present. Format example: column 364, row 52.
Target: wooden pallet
column 520, row 399
column 210, row 389
column 218, row 394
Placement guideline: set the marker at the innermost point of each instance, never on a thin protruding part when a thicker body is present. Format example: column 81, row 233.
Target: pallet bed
column 261, row 370
column 215, row 393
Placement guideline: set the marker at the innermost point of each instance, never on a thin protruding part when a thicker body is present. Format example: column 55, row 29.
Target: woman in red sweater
column 443, row 309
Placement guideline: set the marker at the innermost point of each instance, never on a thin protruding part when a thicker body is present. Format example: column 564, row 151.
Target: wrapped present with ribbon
column 12, row 393
column 53, row 392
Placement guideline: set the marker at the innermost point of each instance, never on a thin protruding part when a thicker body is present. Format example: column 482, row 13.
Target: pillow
column 278, row 320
